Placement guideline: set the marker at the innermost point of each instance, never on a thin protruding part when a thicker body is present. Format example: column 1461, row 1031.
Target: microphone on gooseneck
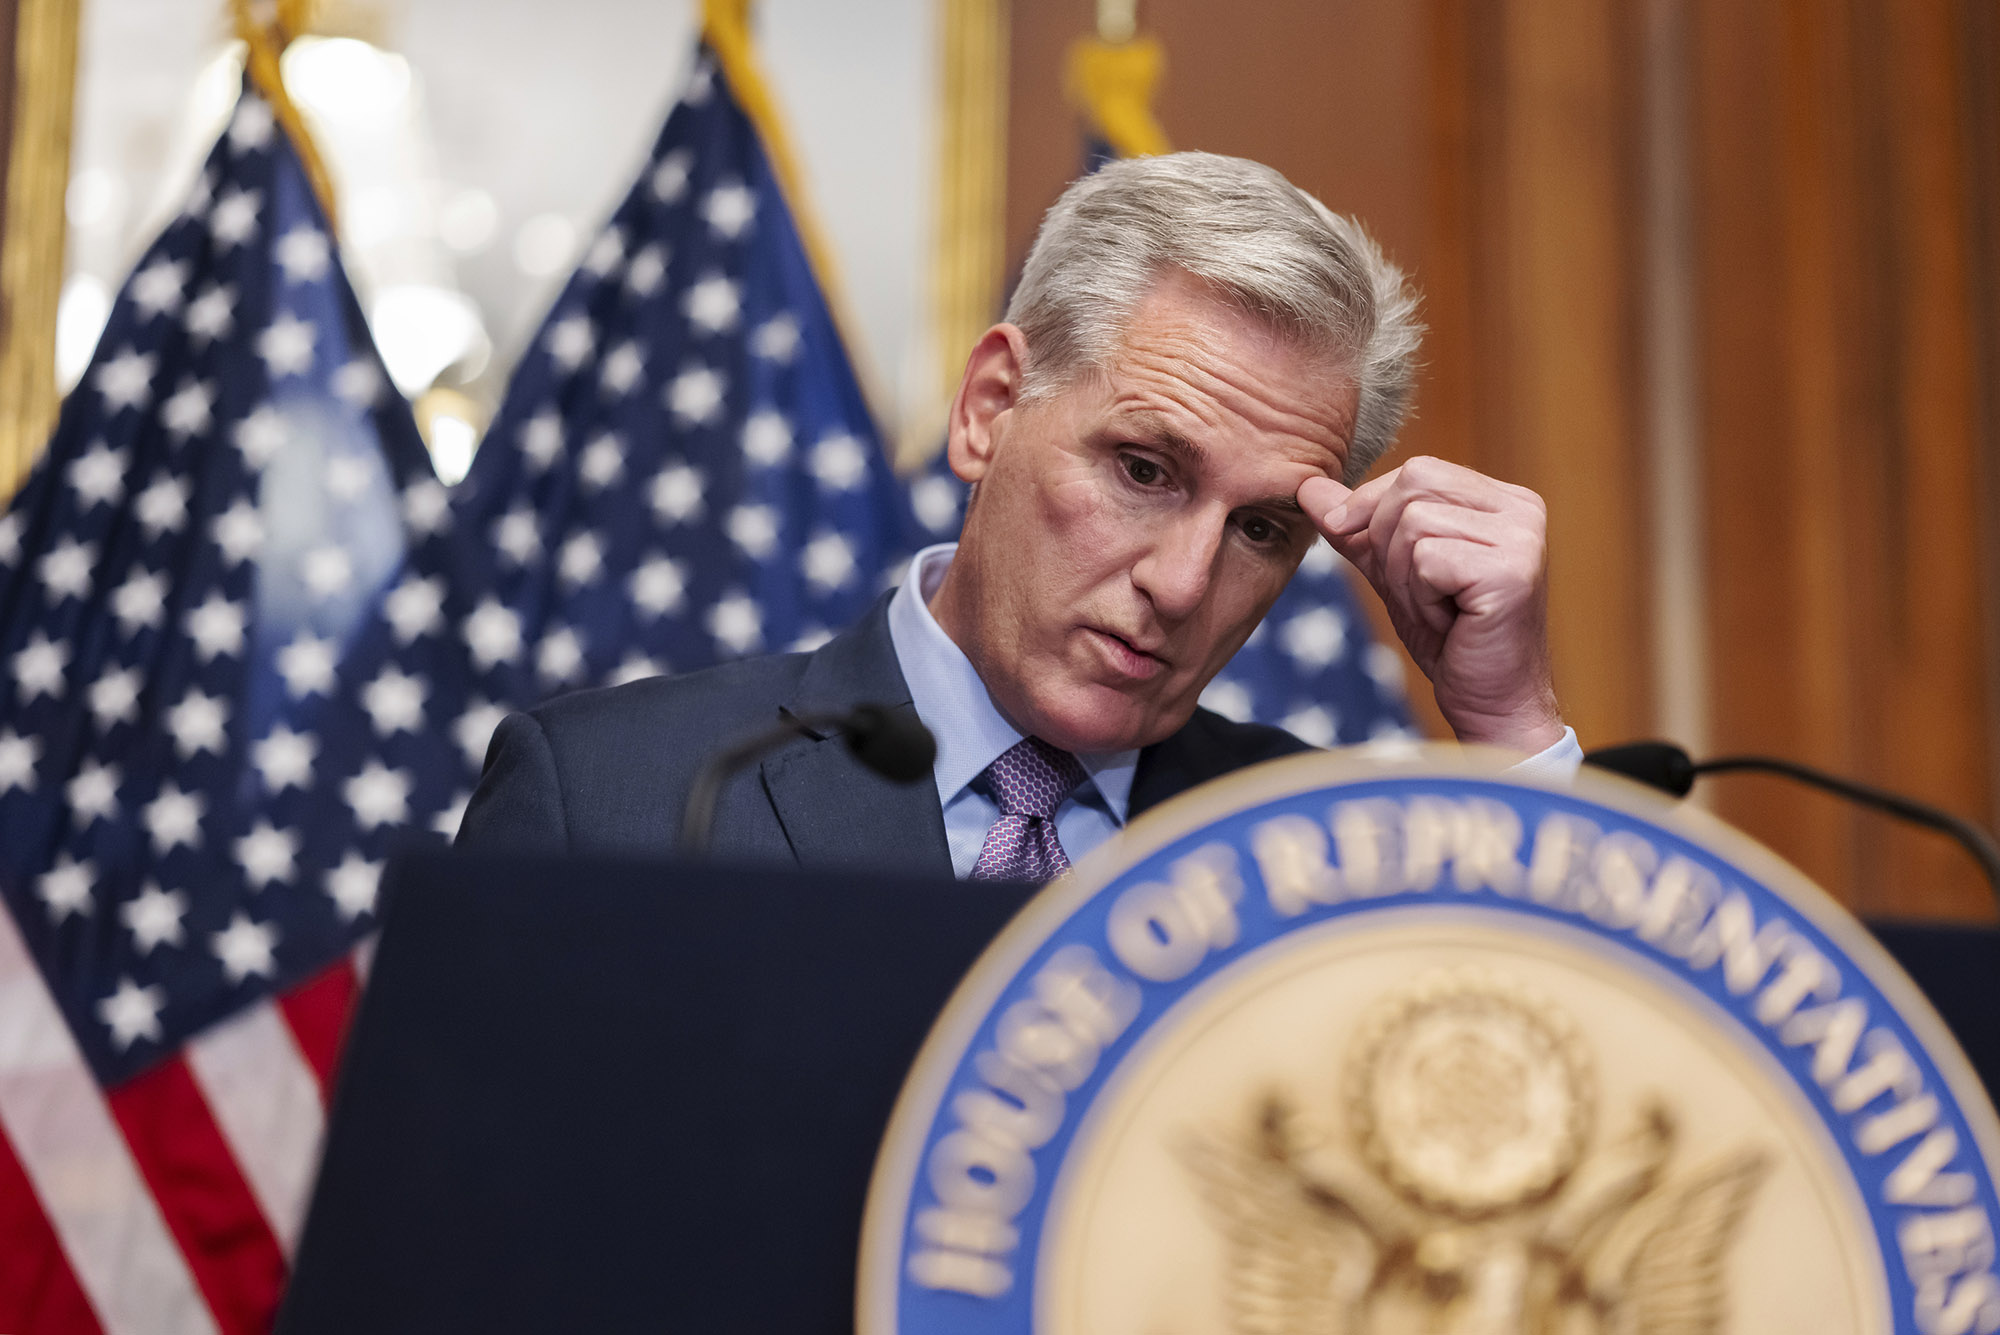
column 893, row 743
column 1671, row 770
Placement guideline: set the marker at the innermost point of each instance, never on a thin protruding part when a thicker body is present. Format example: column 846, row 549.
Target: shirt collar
column 954, row 703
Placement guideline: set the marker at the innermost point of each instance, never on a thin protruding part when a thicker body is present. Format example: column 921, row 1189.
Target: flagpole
column 32, row 239
column 968, row 260
column 725, row 27
column 264, row 44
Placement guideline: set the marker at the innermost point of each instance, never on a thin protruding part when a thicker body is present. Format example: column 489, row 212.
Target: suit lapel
column 833, row 809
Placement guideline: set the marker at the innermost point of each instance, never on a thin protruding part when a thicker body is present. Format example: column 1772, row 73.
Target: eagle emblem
column 1467, row 1196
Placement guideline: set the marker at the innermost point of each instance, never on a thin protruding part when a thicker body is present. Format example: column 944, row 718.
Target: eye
column 1146, row 472
column 1261, row 531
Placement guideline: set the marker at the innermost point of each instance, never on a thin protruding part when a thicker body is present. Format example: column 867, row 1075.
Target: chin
column 1097, row 719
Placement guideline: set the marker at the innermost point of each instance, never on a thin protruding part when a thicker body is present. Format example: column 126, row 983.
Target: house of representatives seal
column 1431, row 1048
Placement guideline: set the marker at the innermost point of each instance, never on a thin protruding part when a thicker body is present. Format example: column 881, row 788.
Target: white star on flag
column 93, row 793
column 570, row 342
column 132, row 1012
column 38, row 669
column 98, row 476
column 353, row 885
column 415, row 606
column 677, row 493
column 18, row 755
column 159, row 288
column 66, row 570
column 736, row 624
column 268, row 855
column 287, row 346
column 394, row 701
column 729, row 210
column 190, row 412
column 767, row 438
column 307, row 665
column 285, row 758
column 754, row 528
column 163, row 507
column 714, row 305
column 212, row 315
column 65, row 888
column 379, row 796
column 247, row 949
column 660, row 586
column 197, row 723
column 126, row 380
column 140, row 603
column 114, row 697
column 154, row 918
column 234, row 218
column 603, row 462
column 303, row 254
column 493, row 632
column 840, row 463
column 696, row 396
column 174, row 819
column 216, row 627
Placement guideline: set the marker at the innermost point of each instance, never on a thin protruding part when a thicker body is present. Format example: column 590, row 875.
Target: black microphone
column 892, row 742
column 1667, row 767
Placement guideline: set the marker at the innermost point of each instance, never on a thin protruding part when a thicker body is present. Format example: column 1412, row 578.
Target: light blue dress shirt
column 954, row 704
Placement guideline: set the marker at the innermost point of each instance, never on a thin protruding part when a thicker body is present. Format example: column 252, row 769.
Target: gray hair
column 1262, row 243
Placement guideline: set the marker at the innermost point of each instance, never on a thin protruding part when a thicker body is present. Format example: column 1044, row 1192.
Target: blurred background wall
column 1718, row 279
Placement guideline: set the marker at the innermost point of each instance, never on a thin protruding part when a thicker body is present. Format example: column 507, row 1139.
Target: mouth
column 1127, row 658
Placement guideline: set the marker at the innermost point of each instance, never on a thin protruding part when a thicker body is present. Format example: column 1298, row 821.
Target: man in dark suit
column 1199, row 361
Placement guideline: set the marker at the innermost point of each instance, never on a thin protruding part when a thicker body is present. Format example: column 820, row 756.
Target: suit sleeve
column 518, row 805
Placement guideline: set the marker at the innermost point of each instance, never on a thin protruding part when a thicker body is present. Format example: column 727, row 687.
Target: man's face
column 1129, row 533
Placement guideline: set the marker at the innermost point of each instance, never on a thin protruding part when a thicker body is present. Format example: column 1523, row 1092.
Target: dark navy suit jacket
column 608, row 771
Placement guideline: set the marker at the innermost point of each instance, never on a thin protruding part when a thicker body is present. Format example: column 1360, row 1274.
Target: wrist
column 1528, row 728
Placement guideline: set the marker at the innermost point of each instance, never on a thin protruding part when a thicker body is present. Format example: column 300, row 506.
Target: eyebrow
column 1149, row 428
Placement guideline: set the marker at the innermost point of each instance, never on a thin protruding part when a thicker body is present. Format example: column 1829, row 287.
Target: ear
column 987, row 391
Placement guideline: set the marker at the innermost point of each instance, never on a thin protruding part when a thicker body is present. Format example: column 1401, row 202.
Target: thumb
column 1325, row 503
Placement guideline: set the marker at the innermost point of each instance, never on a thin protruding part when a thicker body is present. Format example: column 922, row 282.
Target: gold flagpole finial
column 1112, row 77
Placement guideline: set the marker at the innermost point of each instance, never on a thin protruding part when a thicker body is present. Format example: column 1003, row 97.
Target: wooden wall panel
column 1556, row 328
column 1844, row 503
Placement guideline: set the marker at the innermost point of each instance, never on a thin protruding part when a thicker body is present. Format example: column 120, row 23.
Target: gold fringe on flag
column 35, row 230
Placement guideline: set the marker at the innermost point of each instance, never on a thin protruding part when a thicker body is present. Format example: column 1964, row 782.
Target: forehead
column 1204, row 373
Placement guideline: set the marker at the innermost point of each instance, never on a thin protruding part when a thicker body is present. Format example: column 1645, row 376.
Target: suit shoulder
column 1240, row 743
column 721, row 702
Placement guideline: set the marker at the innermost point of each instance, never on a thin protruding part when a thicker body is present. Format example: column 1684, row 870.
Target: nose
column 1175, row 570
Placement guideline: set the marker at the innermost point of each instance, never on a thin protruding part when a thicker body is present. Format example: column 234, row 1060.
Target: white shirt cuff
column 1561, row 760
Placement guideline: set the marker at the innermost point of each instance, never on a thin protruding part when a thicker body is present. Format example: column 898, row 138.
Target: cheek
column 1087, row 528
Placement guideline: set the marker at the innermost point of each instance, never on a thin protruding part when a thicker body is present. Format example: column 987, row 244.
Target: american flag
column 684, row 469
column 196, row 793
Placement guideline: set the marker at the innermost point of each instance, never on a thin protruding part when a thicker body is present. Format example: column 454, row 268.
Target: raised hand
column 1461, row 562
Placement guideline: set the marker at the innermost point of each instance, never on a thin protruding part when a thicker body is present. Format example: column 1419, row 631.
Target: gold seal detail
column 1468, row 1094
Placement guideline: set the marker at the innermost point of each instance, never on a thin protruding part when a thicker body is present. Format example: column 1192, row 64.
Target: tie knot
column 1031, row 778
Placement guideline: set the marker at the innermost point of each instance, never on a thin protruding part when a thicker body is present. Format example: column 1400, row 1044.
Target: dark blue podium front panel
column 592, row 1096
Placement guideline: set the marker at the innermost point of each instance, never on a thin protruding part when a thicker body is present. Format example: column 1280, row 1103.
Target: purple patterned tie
column 1030, row 780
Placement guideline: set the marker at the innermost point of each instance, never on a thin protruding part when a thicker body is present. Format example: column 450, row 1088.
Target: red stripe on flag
column 208, row 1206
column 39, row 1294
column 317, row 1012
